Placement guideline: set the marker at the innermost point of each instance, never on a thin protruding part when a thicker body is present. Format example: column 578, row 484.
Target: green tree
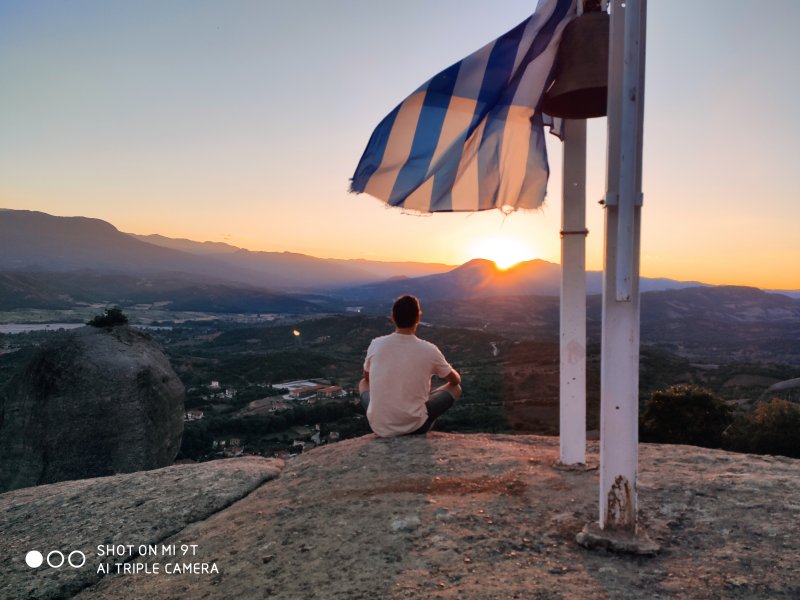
column 196, row 441
column 111, row 317
column 772, row 428
column 685, row 414
column 777, row 428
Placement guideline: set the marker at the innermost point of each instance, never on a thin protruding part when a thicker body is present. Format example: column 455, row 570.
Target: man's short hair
column 406, row 311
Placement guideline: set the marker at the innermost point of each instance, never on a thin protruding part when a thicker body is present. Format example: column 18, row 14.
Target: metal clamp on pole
column 583, row 232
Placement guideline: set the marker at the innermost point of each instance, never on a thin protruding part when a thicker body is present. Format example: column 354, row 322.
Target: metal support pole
column 572, row 386
column 619, row 376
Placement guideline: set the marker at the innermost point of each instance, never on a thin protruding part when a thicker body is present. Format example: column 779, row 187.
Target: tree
column 685, row 414
column 772, row 428
column 111, row 317
column 196, row 441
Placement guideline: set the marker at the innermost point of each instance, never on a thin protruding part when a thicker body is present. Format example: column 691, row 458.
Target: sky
column 243, row 120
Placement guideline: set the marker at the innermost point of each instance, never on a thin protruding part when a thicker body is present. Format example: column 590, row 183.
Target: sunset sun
column 505, row 252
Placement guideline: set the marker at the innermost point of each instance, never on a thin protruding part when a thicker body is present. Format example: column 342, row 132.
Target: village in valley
column 296, row 394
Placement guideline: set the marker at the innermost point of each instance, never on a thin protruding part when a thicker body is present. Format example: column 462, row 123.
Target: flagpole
column 572, row 371
column 619, row 377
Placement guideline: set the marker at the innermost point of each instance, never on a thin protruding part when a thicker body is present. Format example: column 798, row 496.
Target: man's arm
column 363, row 385
column 453, row 377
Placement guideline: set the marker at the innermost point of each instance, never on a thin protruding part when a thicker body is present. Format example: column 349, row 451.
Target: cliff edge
column 441, row 516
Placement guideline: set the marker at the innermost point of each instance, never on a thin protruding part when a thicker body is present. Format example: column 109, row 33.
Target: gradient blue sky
column 242, row 121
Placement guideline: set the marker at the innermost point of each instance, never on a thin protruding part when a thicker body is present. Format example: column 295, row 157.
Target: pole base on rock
column 616, row 540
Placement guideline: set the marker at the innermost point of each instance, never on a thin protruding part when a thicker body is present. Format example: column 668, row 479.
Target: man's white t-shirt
column 400, row 368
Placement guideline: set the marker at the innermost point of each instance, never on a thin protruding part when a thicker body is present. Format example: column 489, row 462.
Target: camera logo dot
column 78, row 556
column 55, row 559
column 34, row 559
column 51, row 560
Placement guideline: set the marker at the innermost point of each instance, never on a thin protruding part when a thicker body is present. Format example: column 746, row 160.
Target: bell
column 580, row 84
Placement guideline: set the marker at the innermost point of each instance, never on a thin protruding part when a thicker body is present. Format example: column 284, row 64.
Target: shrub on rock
column 685, row 414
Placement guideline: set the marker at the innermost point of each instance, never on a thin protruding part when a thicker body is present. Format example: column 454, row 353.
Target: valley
column 233, row 371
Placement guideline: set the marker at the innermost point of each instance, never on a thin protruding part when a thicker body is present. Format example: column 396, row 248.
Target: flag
column 472, row 137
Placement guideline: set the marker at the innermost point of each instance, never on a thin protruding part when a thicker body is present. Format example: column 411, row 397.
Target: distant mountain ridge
column 36, row 241
column 481, row 278
column 371, row 269
column 186, row 245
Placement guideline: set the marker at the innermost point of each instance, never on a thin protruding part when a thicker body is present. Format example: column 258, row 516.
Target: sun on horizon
column 504, row 251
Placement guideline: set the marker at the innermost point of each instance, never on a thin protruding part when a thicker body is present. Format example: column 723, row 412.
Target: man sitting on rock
column 396, row 389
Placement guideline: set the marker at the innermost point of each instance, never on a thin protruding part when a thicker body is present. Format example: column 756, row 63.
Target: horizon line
column 388, row 260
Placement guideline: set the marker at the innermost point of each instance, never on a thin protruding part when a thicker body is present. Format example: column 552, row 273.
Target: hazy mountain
column 389, row 270
column 310, row 273
column 478, row 277
column 316, row 272
column 791, row 293
column 187, row 245
column 481, row 278
column 36, row 241
column 285, row 270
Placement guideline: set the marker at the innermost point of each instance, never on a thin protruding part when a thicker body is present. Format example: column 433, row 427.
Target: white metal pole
column 572, row 387
column 619, row 371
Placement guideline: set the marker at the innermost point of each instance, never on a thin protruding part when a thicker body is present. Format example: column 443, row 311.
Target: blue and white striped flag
column 472, row 138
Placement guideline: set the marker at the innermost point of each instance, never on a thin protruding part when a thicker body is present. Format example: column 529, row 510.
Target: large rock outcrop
column 93, row 402
column 475, row 517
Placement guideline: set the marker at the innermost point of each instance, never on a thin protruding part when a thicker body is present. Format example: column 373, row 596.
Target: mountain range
column 34, row 241
column 481, row 278
column 37, row 242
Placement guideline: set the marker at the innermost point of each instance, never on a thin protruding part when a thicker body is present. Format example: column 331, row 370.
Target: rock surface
column 94, row 402
column 457, row 516
column 135, row 508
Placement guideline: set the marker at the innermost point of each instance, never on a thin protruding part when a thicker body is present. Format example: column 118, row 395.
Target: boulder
column 93, row 402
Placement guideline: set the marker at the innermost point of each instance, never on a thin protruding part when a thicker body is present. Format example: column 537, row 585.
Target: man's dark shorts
column 439, row 402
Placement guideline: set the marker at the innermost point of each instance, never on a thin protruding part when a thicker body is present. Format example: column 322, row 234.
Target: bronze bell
column 580, row 86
